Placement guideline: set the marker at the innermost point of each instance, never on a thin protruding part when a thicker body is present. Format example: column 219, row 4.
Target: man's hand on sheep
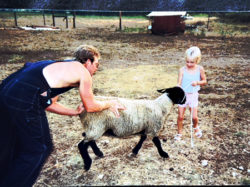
column 115, row 107
column 80, row 109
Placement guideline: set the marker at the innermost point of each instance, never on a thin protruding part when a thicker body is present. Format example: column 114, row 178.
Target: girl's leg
column 194, row 111
column 197, row 130
column 181, row 112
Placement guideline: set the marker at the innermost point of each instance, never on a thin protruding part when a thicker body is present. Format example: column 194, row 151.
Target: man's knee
column 43, row 150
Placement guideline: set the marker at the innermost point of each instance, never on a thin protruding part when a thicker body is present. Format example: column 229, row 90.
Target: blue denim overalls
column 25, row 140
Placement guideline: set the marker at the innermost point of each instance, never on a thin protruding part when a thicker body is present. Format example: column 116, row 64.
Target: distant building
column 167, row 22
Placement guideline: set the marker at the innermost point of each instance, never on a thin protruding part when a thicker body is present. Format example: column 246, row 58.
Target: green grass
column 15, row 58
column 200, row 15
column 246, row 181
column 136, row 30
column 6, row 15
column 111, row 17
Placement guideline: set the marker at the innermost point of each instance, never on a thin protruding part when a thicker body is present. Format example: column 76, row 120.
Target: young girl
column 190, row 78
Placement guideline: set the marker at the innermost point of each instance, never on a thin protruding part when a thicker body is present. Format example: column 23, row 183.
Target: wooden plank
column 67, row 24
column 120, row 24
column 53, row 19
column 44, row 22
column 15, row 17
column 74, row 19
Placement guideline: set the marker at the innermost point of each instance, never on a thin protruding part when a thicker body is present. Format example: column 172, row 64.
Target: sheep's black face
column 176, row 94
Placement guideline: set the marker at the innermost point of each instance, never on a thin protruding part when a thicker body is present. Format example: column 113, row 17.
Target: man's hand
column 80, row 109
column 115, row 107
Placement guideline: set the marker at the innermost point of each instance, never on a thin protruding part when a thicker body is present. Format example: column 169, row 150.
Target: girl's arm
column 180, row 75
column 203, row 80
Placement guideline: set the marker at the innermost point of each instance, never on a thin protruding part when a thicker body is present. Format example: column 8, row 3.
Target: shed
column 169, row 22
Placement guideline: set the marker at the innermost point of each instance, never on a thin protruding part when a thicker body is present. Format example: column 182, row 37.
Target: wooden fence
column 65, row 15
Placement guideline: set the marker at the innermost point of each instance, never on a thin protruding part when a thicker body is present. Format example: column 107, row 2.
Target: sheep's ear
column 162, row 90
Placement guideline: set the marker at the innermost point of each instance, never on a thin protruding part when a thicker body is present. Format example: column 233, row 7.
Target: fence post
column 120, row 25
column 44, row 22
column 53, row 19
column 208, row 20
column 66, row 17
column 74, row 19
column 15, row 17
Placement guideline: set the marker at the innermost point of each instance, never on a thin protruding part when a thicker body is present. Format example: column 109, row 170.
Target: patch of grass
column 136, row 30
column 98, row 17
column 6, row 15
column 135, row 17
column 234, row 17
column 202, row 33
column 239, row 134
column 111, row 17
column 15, row 58
column 200, row 15
column 246, row 182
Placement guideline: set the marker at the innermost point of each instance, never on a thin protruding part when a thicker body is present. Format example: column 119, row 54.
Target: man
column 25, row 95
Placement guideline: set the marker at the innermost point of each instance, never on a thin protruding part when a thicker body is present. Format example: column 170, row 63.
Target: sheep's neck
column 165, row 103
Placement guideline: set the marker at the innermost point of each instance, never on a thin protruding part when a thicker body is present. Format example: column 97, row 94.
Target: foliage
column 131, row 5
column 235, row 17
column 215, row 5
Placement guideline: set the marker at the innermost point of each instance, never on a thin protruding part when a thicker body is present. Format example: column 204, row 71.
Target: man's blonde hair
column 194, row 54
column 85, row 52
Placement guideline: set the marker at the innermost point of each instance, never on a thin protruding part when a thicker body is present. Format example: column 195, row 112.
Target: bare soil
column 135, row 65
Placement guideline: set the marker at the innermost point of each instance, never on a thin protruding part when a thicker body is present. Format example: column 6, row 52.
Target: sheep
column 140, row 117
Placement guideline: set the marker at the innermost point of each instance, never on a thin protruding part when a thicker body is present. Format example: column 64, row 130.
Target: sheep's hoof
column 99, row 157
column 87, row 165
column 164, row 155
column 133, row 154
column 135, row 151
column 99, row 154
column 130, row 156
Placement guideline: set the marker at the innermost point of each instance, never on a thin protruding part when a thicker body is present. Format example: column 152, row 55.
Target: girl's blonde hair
column 193, row 54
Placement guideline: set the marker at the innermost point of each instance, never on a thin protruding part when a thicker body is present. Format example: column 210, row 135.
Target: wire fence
column 63, row 18
column 82, row 18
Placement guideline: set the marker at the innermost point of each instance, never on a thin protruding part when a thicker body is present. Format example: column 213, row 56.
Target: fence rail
column 51, row 14
column 66, row 14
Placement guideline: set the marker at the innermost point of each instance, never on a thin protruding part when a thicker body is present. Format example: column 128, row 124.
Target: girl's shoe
column 178, row 137
column 198, row 134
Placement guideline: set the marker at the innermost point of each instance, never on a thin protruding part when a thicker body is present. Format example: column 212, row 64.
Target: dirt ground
column 135, row 65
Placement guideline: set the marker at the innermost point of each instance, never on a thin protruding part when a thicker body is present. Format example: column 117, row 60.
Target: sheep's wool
column 139, row 115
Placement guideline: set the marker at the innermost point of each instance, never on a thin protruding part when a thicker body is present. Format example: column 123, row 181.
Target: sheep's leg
column 138, row 146
column 83, row 148
column 96, row 150
column 158, row 145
